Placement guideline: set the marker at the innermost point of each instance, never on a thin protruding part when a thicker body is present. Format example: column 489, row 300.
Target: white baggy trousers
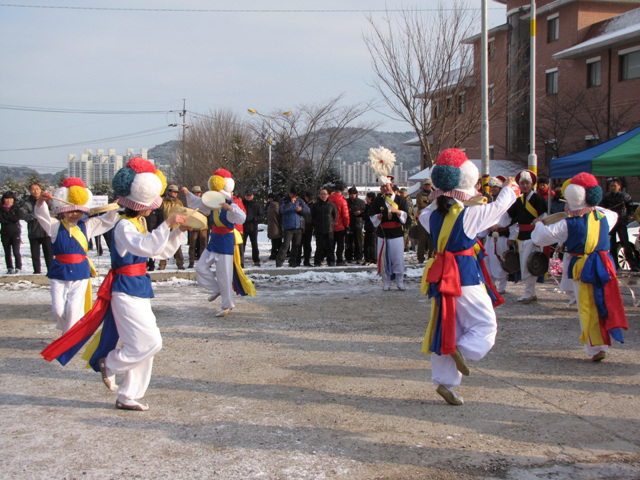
column 141, row 340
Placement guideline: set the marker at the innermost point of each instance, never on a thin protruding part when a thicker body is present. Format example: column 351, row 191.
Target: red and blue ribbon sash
column 64, row 348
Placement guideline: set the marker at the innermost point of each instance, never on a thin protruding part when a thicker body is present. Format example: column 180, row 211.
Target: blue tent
column 619, row 157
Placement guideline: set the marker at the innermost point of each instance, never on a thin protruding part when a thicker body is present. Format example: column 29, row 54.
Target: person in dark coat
column 37, row 236
column 254, row 215
column 10, row 231
column 154, row 219
column 353, row 248
column 274, row 225
column 307, row 232
column 369, row 244
column 620, row 202
column 324, row 215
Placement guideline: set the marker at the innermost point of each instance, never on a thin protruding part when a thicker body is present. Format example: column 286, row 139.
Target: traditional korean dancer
column 585, row 234
column 123, row 304
column 71, row 270
column 463, row 321
column 222, row 250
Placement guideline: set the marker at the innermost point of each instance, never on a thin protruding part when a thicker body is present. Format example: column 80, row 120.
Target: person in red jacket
column 342, row 223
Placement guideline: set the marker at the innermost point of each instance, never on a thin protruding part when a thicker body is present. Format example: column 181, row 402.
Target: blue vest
column 468, row 266
column 64, row 243
column 136, row 286
column 577, row 231
column 221, row 242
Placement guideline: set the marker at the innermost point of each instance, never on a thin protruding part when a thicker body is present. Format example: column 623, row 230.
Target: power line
column 219, row 10
column 24, row 108
column 144, row 133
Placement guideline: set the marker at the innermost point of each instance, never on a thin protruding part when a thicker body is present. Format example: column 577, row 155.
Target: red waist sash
column 221, row 230
column 526, row 228
column 68, row 258
column 444, row 271
column 390, row 224
column 88, row 324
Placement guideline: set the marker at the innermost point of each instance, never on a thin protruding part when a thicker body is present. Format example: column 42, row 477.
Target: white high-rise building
column 100, row 167
column 360, row 173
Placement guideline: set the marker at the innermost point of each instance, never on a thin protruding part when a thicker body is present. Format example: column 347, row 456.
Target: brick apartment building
column 587, row 78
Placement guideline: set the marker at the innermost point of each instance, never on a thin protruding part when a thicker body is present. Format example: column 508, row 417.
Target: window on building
column 462, row 98
column 591, row 141
column 491, row 49
column 594, row 68
column 492, row 95
column 629, row 65
column 552, row 82
column 436, row 110
column 553, row 28
column 492, row 153
column 449, row 104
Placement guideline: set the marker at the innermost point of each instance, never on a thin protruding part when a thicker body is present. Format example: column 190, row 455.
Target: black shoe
column 342, row 264
column 278, row 265
column 190, row 265
column 308, row 264
column 181, row 267
column 331, row 264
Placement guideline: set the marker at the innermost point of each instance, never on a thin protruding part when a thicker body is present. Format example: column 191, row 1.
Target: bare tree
column 220, row 140
column 310, row 138
column 566, row 119
column 424, row 71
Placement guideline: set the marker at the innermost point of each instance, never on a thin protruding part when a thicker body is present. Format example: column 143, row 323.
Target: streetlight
column 269, row 119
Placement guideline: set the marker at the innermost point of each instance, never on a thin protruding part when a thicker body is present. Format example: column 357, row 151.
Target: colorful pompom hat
column 583, row 191
column 74, row 195
column 454, row 171
column 222, row 182
column 138, row 185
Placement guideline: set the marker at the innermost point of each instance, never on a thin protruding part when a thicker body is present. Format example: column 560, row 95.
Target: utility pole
column 184, row 133
column 533, row 158
column 484, row 122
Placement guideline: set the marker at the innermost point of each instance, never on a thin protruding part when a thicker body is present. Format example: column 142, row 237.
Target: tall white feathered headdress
column 382, row 162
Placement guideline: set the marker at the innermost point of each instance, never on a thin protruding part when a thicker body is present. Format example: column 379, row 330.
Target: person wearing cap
column 71, row 270
column 224, row 239
column 389, row 216
column 463, row 322
column 197, row 238
column 353, row 247
column 123, row 306
column 171, row 200
column 585, row 234
column 496, row 242
column 10, row 231
column 523, row 212
column 250, row 232
column 425, row 245
column 292, row 212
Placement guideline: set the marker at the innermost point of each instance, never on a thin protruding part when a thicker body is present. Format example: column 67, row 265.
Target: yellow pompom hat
column 222, row 182
column 74, row 195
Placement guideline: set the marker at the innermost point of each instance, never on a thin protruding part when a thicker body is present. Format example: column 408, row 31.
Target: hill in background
column 167, row 154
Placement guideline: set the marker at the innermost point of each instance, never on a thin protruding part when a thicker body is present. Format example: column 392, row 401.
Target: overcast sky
column 122, row 56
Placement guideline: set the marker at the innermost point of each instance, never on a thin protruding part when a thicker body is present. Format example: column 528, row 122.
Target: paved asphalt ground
column 321, row 381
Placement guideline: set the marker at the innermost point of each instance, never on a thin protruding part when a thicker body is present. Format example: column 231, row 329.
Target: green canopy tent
column 618, row 157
